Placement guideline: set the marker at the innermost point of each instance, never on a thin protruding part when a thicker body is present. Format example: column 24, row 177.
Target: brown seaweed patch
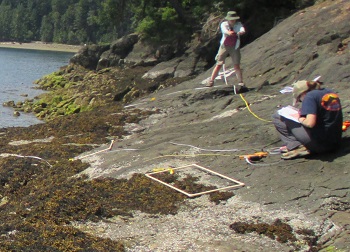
column 41, row 218
column 43, row 236
column 279, row 231
column 39, row 198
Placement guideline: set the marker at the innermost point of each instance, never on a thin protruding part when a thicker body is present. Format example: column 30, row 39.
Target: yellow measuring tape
column 247, row 105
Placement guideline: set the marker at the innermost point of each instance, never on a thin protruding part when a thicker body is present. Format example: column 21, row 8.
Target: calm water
column 19, row 68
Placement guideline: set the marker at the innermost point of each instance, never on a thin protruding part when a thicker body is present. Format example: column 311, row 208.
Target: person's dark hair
column 312, row 85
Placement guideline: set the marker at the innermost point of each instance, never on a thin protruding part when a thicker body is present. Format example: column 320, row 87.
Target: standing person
column 229, row 45
column 320, row 121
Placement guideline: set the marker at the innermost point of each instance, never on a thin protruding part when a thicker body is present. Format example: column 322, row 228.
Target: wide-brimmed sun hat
column 299, row 87
column 302, row 86
column 231, row 15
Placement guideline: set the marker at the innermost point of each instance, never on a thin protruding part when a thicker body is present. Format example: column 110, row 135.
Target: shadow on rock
column 343, row 150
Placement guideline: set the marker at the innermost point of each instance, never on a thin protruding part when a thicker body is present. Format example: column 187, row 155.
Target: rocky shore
column 78, row 182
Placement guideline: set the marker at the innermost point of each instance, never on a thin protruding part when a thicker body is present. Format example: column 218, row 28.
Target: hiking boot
column 301, row 151
column 210, row 83
column 241, row 88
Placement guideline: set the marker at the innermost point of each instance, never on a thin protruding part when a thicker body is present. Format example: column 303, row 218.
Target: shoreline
column 42, row 46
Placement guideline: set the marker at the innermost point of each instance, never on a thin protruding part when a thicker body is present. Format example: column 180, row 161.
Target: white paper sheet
column 290, row 113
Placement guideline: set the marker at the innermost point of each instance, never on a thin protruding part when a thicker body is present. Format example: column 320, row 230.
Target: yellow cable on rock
column 247, row 105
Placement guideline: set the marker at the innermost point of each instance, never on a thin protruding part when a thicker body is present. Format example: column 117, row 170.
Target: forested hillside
column 96, row 21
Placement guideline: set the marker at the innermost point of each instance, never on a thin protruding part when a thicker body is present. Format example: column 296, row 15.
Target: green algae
column 52, row 81
column 74, row 89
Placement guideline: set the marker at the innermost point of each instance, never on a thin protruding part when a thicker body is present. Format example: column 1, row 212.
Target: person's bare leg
column 215, row 72
column 238, row 72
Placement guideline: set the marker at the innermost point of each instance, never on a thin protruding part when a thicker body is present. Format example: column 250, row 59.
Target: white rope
column 20, row 156
column 223, row 66
column 234, row 86
column 94, row 153
column 255, row 164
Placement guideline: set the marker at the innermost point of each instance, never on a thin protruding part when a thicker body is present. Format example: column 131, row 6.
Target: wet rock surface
column 294, row 205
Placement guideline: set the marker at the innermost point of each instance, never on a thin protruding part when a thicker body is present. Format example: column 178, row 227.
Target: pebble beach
column 41, row 46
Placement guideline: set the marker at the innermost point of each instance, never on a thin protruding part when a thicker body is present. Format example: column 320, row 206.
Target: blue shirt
column 325, row 104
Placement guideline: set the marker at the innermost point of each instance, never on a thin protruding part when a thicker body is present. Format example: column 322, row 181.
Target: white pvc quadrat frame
column 237, row 183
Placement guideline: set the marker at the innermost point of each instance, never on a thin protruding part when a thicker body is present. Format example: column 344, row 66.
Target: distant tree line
column 102, row 21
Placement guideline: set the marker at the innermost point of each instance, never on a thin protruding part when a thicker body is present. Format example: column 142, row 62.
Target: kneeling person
column 320, row 123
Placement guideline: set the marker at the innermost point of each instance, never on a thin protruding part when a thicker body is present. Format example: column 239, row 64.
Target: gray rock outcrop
column 89, row 56
column 310, row 43
column 213, row 127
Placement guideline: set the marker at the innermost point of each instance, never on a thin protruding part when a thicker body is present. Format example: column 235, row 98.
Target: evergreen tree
column 6, row 15
column 95, row 21
column 19, row 24
column 46, row 29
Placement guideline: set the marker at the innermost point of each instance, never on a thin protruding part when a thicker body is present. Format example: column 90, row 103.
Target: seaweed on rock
column 41, row 197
